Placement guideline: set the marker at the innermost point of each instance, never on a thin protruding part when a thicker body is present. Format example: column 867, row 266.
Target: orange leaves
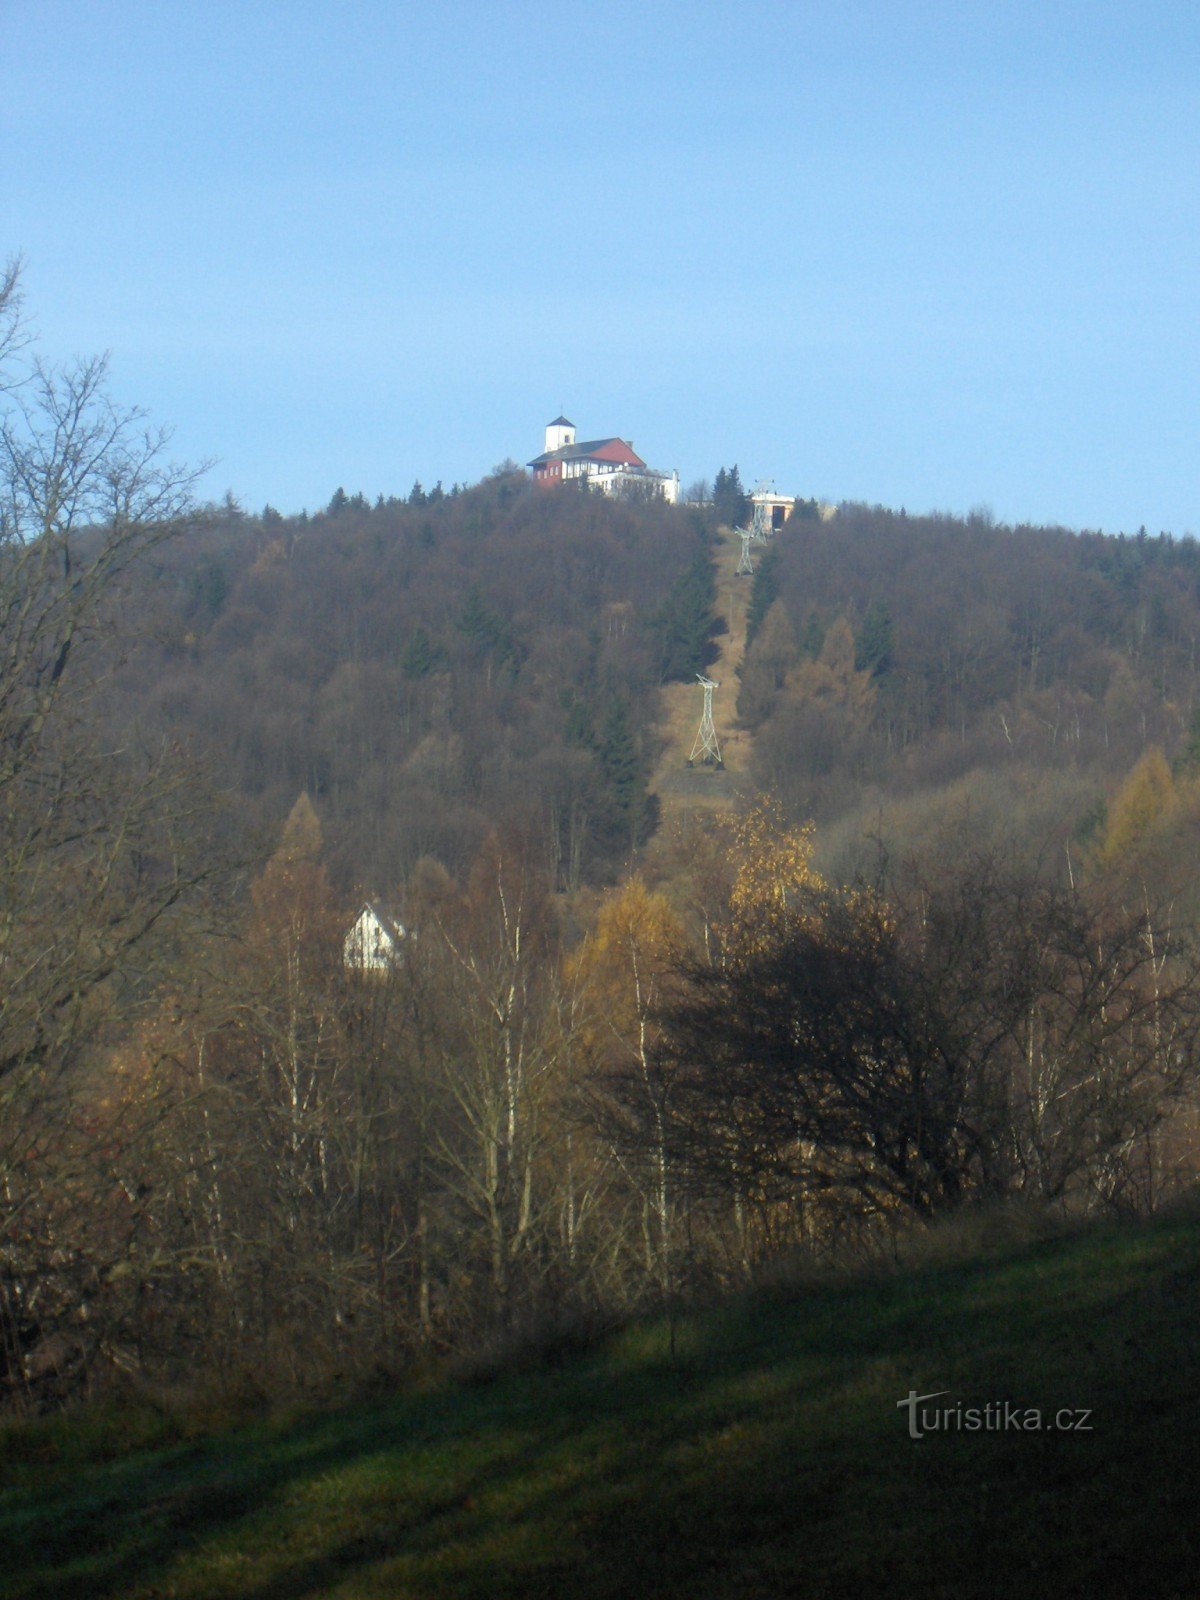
column 294, row 905
column 832, row 680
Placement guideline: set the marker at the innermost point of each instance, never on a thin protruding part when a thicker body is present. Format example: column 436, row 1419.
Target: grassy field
column 770, row 1458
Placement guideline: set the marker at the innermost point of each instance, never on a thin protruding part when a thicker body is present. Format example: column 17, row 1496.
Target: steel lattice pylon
column 745, row 566
column 706, row 746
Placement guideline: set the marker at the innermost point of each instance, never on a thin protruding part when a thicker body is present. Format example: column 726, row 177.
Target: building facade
column 610, row 465
column 375, row 941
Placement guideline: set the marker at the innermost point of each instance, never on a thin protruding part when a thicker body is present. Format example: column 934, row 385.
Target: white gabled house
column 374, row 943
column 610, row 465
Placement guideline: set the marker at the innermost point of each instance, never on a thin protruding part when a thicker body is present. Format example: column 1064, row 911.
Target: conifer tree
column 686, row 622
column 624, row 774
column 1145, row 800
column 873, row 651
column 764, row 593
column 421, row 655
column 730, row 501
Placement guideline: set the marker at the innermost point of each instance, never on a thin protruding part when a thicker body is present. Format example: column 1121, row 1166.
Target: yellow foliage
column 1144, row 802
column 626, row 962
column 773, row 866
column 293, row 901
column 301, row 837
column 635, row 930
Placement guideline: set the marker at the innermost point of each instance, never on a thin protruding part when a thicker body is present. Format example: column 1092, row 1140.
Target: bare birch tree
column 98, row 838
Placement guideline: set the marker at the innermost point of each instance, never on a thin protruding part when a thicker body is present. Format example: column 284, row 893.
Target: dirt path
column 679, row 787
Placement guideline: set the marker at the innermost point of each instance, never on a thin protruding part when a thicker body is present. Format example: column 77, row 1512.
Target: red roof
column 615, row 450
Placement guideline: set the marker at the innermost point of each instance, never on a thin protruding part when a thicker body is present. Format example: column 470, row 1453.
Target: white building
column 772, row 510
column 373, row 943
column 610, row 465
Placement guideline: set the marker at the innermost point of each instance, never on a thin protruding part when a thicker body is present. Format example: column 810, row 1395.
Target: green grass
column 769, row 1459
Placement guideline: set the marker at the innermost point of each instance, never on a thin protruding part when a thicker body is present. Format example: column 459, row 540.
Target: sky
column 939, row 256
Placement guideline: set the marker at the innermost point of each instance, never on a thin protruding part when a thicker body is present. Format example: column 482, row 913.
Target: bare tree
column 500, row 1051
column 978, row 1038
column 13, row 335
column 99, row 844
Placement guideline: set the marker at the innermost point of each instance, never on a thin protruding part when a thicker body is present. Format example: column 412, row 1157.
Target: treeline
column 290, row 1169
column 229, row 1156
column 894, row 660
column 580, row 1089
column 427, row 668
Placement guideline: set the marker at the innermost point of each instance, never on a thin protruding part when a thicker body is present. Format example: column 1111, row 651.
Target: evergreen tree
column 421, row 656
column 1187, row 763
column 730, row 501
column 624, row 774
column 484, row 628
column 209, row 588
column 873, row 653
column 764, row 594
column 767, row 664
column 685, row 624
column 812, row 636
column 578, row 728
column 618, row 757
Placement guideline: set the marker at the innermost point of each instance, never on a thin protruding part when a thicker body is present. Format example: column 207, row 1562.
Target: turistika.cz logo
column 997, row 1416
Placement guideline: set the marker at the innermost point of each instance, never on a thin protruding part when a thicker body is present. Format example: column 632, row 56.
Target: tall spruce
column 873, row 651
column 764, row 593
column 730, row 501
column 685, row 624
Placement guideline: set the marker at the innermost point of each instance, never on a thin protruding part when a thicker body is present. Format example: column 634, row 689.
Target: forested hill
column 900, row 666
column 430, row 668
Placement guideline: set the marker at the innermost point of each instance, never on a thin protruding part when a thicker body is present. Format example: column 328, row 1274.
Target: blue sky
column 939, row 256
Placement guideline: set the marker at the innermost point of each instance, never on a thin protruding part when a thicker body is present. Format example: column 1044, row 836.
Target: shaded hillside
column 430, row 668
column 772, row 1456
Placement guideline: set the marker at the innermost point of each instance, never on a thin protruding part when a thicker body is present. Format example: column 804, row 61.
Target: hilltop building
column 610, row 465
column 771, row 510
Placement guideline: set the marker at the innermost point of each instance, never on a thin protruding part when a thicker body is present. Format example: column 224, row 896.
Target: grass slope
column 769, row 1459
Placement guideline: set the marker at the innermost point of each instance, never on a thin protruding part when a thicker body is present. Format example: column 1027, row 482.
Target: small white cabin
column 373, row 942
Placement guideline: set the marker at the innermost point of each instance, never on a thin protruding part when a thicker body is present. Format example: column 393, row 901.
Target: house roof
column 389, row 921
column 560, row 422
column 615, row 450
